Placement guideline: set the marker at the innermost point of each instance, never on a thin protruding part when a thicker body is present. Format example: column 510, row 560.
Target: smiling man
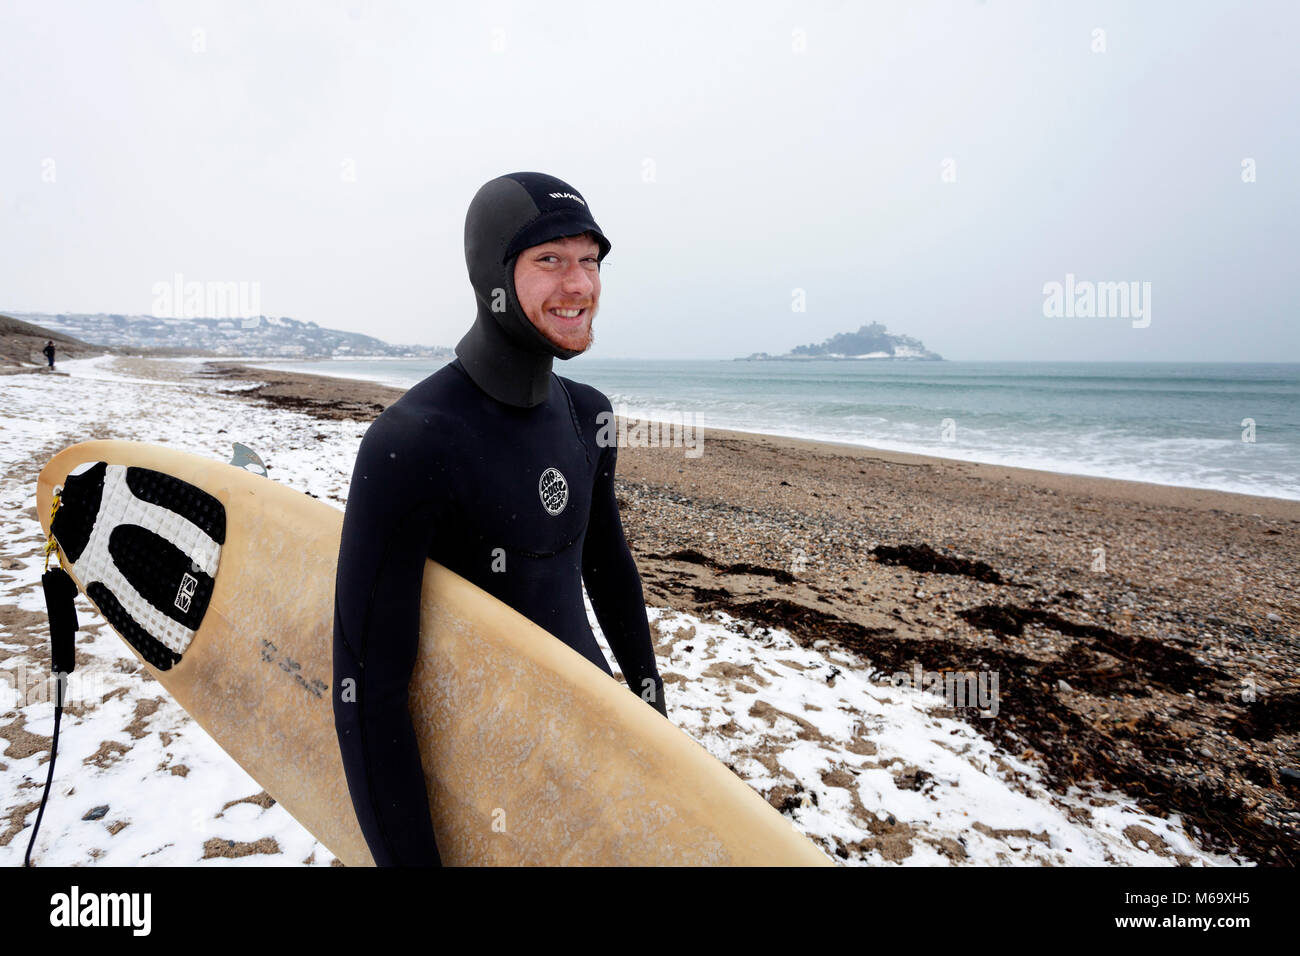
column 560, row 299
column 491, row 467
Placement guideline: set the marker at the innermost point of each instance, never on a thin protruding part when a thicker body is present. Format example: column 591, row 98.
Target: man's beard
column 589, row 342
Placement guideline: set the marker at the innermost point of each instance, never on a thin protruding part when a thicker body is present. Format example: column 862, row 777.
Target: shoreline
column 1126, row 488
column 1142, row 634
column 322, row 389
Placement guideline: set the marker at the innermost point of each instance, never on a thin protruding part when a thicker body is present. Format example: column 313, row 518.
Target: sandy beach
column 1140, row 637
column 1197, row 602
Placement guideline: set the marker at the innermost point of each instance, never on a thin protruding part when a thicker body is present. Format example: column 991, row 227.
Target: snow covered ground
column 861, row 766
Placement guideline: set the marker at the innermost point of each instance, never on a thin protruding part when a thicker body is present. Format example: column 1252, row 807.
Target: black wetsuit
column 518, row 498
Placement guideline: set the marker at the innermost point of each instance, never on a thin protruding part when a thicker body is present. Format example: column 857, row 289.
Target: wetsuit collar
column 507, row 372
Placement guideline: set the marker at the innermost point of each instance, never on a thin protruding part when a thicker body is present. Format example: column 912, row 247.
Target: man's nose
column 577, row 280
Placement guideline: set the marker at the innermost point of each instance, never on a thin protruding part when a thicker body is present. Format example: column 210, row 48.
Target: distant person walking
column 49, row 352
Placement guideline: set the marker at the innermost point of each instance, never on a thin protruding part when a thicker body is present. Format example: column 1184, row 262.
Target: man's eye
column 552, row 257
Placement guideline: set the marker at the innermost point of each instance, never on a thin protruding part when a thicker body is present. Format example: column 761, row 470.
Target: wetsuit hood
column 503, row 352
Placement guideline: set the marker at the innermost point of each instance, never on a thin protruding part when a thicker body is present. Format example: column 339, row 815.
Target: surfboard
column 221, row 582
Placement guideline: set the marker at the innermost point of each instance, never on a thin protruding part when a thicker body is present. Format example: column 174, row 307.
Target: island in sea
column 869, row 342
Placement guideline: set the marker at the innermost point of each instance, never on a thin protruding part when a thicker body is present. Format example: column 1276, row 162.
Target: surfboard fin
column 244, row 457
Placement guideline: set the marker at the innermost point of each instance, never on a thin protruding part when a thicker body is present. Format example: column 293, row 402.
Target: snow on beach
column 137, row 782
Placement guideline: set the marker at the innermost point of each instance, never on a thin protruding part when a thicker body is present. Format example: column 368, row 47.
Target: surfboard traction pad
column 145, row 547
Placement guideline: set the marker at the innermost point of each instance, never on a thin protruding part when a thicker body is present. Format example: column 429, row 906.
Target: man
column 491, row 467
column 49, row 352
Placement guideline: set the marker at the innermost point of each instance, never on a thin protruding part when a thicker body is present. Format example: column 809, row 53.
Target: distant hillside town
column 260, row 336
column 869, row 342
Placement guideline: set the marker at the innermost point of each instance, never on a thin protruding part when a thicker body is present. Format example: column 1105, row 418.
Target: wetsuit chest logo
column 554, row 491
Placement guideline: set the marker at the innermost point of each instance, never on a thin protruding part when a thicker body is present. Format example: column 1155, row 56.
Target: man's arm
column 614, row 586
column 387, row 529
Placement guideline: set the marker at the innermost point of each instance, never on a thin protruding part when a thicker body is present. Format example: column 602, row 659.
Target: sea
column 1224, row 426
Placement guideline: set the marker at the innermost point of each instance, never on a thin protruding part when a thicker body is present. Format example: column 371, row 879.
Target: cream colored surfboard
column 532, row 754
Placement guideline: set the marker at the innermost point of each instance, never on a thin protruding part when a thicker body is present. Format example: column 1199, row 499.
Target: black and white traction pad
column 145, row 547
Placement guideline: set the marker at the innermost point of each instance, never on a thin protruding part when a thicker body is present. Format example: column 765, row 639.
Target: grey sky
column 772, row 169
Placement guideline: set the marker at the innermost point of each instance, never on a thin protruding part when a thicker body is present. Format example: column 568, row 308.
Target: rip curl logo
column 566, row 196
column 554, row 491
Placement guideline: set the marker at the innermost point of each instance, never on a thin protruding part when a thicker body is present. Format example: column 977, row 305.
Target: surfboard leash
column 60, row 593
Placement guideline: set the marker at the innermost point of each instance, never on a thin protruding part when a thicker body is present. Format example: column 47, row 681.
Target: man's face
column 554, row 280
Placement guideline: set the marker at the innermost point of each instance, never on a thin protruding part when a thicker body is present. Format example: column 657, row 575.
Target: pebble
column 1182, row 591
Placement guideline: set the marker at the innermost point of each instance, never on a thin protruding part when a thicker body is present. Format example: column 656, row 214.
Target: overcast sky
column 927, row 165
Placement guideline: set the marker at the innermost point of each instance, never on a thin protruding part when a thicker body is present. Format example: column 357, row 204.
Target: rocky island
column 869, row 342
